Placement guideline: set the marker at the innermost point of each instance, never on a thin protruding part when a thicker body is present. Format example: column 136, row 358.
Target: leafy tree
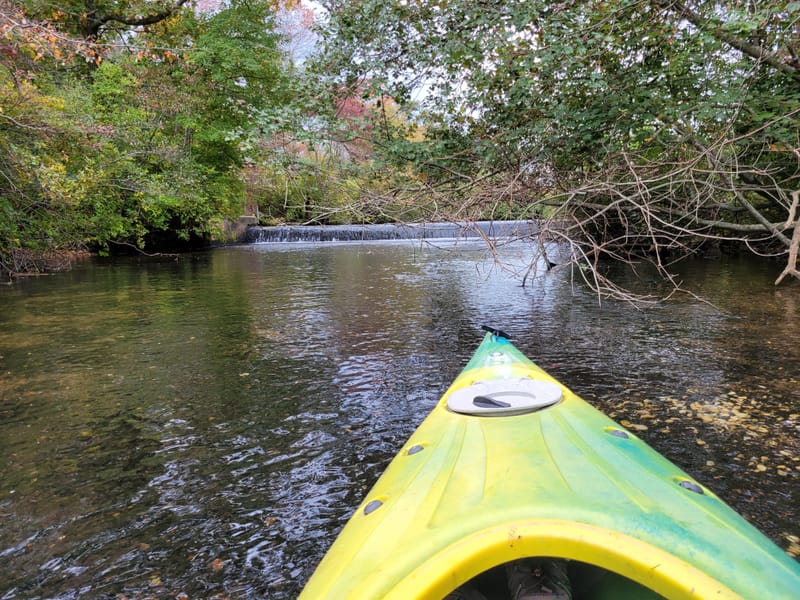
column 645, row 128
column 32, row 138
column 156, row 148
column 310, row 159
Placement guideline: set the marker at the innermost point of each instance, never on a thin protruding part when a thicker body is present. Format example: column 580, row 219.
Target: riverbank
column 245, row 230
column 24, row 262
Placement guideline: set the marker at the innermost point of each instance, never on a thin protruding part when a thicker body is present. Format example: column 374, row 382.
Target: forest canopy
column 633, row 130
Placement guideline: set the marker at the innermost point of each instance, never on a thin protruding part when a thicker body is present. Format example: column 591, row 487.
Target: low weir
column 390, row 231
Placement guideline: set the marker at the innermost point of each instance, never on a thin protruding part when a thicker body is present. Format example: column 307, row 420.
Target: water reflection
column 206, row 426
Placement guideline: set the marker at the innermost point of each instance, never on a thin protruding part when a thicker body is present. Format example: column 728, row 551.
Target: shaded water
column 204, row 427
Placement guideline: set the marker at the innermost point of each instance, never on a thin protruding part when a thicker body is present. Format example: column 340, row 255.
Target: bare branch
column 793, row 209
column 791, row 266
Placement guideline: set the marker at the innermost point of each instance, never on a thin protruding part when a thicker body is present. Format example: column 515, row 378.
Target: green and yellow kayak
column 511, row 464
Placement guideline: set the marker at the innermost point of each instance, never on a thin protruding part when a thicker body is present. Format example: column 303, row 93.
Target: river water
column 202, row 427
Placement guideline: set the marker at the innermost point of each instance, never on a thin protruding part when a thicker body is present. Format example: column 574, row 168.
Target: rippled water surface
column 203, row 427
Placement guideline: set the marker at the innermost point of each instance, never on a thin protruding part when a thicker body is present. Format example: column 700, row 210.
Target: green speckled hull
column 467, row 493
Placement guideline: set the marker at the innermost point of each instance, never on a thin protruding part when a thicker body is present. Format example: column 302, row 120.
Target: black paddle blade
column 496, row 332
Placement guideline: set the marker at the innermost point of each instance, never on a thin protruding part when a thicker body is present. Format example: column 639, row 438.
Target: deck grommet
column 691, row 486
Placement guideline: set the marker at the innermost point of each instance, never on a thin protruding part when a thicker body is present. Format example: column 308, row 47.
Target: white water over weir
column 390, row 231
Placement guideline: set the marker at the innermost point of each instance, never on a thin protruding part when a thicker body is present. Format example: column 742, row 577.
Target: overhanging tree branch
column 94, row 23
column 717, row 30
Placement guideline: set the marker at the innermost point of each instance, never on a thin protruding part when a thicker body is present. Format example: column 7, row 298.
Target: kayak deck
column 471, row 492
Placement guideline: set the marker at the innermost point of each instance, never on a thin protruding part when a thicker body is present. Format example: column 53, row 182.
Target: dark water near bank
column 205, row 426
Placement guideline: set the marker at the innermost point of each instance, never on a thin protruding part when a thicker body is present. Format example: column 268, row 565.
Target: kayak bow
column 511, row 464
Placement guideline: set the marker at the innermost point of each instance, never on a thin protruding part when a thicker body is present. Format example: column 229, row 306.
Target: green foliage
column 314, row 191
column 619, row 92
column 157, row 147
column 105, row 20
column 112, row 88
column 238, row 72
column 564, row 81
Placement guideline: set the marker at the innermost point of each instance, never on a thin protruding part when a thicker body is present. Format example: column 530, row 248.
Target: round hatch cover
column 499, row 397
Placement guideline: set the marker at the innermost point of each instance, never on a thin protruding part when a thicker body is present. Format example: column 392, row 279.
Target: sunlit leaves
column 28, row 42
column 142, row 140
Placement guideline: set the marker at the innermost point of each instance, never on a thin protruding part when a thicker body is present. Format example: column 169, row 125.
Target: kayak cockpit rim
column 651, row 567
